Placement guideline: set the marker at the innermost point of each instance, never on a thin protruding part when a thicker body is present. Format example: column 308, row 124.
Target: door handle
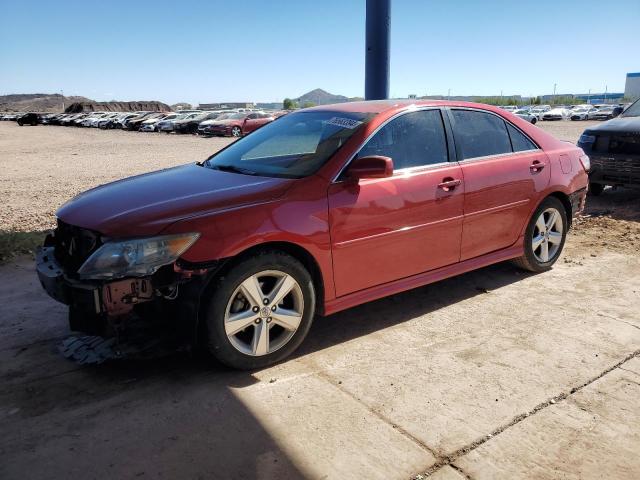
column 536, row 166
column 449, row 184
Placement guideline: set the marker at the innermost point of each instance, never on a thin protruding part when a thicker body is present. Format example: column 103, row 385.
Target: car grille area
column 73, row 245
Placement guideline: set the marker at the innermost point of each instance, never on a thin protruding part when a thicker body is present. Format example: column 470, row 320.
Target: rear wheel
column 260, row 311
column 544, row 237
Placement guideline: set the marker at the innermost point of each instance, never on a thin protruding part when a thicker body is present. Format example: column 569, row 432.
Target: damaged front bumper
column 105, row 307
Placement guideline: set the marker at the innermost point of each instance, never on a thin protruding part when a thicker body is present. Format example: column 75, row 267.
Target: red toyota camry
column 316, row 212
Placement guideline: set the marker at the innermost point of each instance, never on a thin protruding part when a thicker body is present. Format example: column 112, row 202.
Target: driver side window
column 411, row 140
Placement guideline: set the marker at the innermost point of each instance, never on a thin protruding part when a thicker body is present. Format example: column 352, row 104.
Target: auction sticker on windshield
column 344, row 122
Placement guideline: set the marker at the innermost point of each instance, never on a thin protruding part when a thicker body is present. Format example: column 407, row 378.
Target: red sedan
column 237, row 124
column 316, row 212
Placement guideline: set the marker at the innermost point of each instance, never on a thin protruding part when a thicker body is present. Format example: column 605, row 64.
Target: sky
column 214, row 51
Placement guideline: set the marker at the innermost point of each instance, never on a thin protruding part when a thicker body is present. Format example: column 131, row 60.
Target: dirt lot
column 493, row 374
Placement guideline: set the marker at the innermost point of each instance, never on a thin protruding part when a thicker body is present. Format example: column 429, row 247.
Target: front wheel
column 260, row 311
column 534, row 120
column 544, row 237
column 236, row 131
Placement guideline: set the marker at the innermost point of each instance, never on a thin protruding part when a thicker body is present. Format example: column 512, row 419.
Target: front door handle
column 449, row 184
column 536, row 166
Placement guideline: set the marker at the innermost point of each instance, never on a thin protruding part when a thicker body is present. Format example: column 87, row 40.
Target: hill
column 37, row 102
column 55, row 102
column 320, row 97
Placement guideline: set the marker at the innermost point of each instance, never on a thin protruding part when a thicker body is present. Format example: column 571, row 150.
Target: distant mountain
column 321, row 97
column 116, row 106
column 37, row 102
column 54, row 102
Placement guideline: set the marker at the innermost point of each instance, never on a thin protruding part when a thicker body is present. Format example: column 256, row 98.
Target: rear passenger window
column 479, row 134
column 411, row 140
column 519, row 142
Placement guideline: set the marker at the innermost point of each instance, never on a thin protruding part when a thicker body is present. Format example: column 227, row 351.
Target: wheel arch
column 566, row 202
column 296, row 251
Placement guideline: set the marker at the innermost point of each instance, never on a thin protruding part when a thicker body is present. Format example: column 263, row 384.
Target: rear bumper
column 578, row 200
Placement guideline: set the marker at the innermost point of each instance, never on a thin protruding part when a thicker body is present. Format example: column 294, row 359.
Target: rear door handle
column 449, row 184
column 536, row 166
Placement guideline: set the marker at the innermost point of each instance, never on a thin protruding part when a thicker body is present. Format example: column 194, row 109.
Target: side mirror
column 373, row 166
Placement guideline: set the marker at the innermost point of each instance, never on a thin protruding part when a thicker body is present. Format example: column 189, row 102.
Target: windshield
column 633, row 110
column 293, row 146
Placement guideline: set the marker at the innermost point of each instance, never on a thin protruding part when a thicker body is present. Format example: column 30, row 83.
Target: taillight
column 586, row 162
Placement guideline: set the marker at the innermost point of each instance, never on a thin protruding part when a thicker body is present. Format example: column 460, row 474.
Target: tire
column 596, row 189
column 534, row 120
column 20, row 122
column 236, row 132
column 243, row 347
column 550, row 239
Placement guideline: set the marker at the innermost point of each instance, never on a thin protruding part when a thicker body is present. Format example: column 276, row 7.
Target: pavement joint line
column 379, row 415
column 630, row 371
column 452, row 457
column 618, row 320
column 461, row 471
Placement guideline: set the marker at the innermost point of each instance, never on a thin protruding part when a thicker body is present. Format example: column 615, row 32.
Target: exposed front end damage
column 167, row 299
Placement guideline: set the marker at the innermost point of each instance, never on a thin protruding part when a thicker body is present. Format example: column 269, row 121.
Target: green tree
column 288, row 104
column 308, row 104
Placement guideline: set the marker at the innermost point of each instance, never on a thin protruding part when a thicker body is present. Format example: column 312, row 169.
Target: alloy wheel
column 236, row 132
column 264, row 312
column 547, row 235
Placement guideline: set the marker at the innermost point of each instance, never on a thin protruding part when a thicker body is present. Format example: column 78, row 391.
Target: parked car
column 605, row 112
column 190, row 124
column 117, row 121
column 581, row 112
column 28, row 119
column 150, row 124
column 614, row 149
column 167, row 125
column 510, row 108
column 237, row 124
column 322, row 210
column 557, row 113
column 91, row 119
column 539, row 110
column 526, row 115
column 135, row 122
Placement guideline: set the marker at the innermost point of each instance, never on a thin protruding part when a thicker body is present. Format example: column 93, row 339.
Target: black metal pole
column 376, row 84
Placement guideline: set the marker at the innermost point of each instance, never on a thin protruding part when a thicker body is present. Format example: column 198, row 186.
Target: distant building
column 602, row 97
column 632, row 85
column 269, row 105
column 220, row 106
column 594, row 98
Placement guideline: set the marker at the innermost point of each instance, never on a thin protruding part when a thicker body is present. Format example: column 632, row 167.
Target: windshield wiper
column 234, row 169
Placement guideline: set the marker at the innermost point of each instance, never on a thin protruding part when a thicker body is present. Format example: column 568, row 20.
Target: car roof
column 380, row 106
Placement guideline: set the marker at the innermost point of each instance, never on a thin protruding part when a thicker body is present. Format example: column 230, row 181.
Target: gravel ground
column 45, row 166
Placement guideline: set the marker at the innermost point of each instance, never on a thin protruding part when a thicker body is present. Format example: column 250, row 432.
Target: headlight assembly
column 137, row 257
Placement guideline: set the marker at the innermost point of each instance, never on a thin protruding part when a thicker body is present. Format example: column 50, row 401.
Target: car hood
column 209, row 122
column 146, row 204
column 227, row 122
column 618, row 125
